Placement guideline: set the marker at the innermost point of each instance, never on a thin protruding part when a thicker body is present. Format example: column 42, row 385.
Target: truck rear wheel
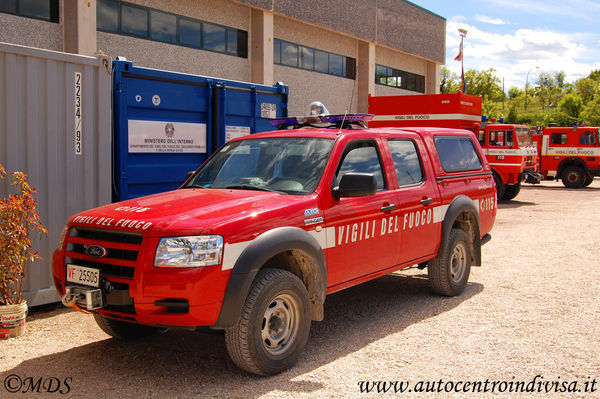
column 122, row 329
column 588, row 180
column 573, row 177
column 499, row 186
column 274, row 325
column 449, row 272
column 511, row 191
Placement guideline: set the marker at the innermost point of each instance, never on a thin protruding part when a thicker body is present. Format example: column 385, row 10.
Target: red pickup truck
column 257, row 237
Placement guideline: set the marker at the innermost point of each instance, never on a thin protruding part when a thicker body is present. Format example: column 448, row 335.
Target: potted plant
column 19, row 222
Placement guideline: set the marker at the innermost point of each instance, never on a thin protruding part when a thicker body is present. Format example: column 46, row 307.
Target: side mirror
column 355, row 185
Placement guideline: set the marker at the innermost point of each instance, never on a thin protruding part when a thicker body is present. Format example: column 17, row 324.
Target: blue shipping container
column 167, row 124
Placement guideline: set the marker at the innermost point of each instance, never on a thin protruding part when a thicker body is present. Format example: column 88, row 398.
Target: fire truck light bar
column 314, row 120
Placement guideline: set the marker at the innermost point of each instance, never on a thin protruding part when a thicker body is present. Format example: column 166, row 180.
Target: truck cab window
column 361, row 157
column 406, row 162
column 558, row 138
column 587, row 138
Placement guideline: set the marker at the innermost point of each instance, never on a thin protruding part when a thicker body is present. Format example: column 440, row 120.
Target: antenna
column 342, row 124
column 350, row 106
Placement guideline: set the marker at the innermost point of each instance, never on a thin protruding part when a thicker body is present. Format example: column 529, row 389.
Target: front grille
column 111, row 252
column 106, row 235
column 122, row 249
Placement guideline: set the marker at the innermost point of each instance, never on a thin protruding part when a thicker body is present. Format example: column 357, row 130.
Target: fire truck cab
column 571, row 154
column 512, row 154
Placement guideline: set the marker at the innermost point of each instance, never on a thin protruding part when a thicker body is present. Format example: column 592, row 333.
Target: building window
column 134, row 20
column 46, row 10
column 123, row 18
column 311, row 59
column 400, row 79
column 163, row 27
column 190, row 33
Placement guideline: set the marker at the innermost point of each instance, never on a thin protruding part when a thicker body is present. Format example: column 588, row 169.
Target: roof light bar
column 314, row 120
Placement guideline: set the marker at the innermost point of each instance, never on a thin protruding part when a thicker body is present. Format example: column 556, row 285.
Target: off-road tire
column 573, row 177
column 588, row 180
column 277, row 307
column 499, row 186
column 122, row 329
column 511, row 191
column 449, row 271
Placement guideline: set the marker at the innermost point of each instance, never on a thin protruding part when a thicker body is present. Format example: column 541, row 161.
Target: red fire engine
column 509, row 149
column 571, row 154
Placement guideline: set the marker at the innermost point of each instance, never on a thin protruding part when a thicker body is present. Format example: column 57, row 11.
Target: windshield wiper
column 193, row 186
column 251, row 187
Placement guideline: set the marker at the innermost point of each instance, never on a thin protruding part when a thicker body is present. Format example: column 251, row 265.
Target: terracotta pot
column 12, row 320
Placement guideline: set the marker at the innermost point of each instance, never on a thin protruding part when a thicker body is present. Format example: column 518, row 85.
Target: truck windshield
column 524, row 136
column 288, row 165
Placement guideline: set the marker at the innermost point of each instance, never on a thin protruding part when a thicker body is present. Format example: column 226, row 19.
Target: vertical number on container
column 77, row 104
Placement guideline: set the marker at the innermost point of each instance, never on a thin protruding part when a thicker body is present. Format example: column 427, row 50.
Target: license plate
column 83, row 275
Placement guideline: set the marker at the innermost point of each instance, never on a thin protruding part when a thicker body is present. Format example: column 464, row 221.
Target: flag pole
column 462, row 32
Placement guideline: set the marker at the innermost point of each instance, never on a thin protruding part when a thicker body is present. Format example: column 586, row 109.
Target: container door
column 243, row 108
column 162, row 129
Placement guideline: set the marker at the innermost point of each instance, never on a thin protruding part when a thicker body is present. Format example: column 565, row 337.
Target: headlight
column 194, row 251
column 61, row 238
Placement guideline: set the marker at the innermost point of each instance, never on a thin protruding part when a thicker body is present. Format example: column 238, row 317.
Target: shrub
column 19, row 221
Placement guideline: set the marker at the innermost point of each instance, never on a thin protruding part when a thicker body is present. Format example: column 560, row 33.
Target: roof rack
column 342, row 121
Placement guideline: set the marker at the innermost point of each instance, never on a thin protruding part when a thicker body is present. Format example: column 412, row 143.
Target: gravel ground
column 531, row 310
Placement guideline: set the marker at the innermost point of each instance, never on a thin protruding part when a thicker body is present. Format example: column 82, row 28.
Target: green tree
column 595, row 75
column 449, row 81
column 591, row 112
column 588, row 88
column 559, row 77
column 514, row 92
column 512, row 115
column 545, row 88
column 484, row 84
column 572, row 105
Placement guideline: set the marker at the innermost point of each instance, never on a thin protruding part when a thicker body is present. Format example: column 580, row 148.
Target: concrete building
column 334, row 51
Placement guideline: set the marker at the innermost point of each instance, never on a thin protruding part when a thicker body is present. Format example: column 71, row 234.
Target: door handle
column 388, row 208
column 426, row 201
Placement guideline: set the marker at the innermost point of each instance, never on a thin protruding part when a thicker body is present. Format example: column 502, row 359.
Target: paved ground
column 529, row 315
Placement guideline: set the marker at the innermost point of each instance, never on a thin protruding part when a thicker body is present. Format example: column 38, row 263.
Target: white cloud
column 490, row 20
column 514, row 53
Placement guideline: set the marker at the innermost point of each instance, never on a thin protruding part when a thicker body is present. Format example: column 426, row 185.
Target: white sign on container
column 268, row 110
column 233, row 132
column 167, row 137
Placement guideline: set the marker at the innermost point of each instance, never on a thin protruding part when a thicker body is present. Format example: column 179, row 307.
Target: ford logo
column 95, row 251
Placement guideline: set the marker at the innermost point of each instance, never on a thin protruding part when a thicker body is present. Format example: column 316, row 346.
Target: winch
column 82, row 297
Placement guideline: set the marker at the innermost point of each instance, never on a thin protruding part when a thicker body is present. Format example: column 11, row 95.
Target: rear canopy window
column 457, row 154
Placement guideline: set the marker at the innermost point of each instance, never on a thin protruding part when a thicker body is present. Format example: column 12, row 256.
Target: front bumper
column 154, row 296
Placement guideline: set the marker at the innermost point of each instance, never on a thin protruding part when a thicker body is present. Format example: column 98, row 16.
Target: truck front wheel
column 449, row 272
column 573, row 177
column 274, row 324
column 122, row 329
column 499, row 186
column 511, row 191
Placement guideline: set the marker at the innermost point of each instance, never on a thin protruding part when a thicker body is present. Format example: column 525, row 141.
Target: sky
column 516, row 36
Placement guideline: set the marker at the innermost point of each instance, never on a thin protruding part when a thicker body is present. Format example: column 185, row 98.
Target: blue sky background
column 515, row 36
